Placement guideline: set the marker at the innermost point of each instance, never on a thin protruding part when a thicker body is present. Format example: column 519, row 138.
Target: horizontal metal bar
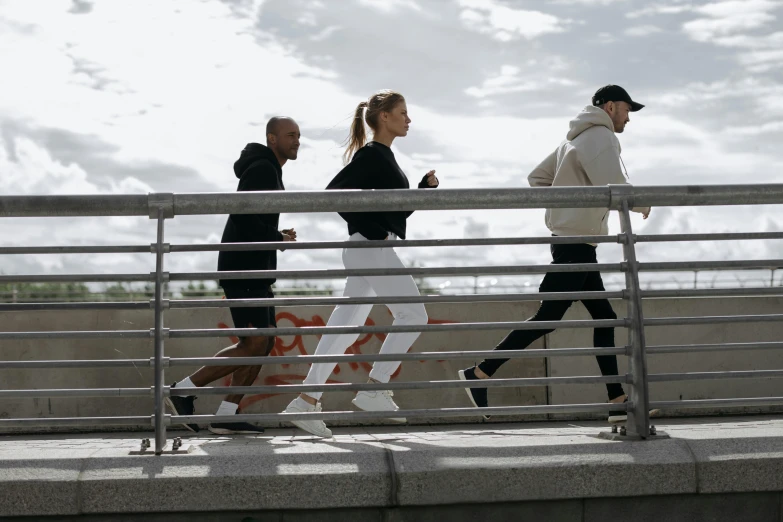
column 408, row 414
column 334, row 330
column 471, row 199
column 726, row 347
column 712, row 292
column 500, row 241
column 94, row 305
column 700, row 195
column 80, row 392
column 74, row 206
column 391, row 200
column 415, row 243
column 673, row 266
column 62, row 422
column 106, row 249
column 405, row 385
column 718, row 403
column 75, row 278
column 705, row 376
column 421, row 356
column 721, row 236
column 88, row 334
column 426, row 299
column 310, row 359
column 715, row 319
column 71, row 363
column 369, row 272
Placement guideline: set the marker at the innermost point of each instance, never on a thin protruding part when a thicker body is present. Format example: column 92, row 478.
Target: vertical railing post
column 161, row 206
column 638, row 423
column 160, row 425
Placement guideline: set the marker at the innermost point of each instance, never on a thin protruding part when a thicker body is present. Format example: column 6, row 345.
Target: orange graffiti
column 297, row 345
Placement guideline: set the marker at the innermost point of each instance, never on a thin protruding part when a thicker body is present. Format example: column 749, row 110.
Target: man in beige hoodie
column 590, row 156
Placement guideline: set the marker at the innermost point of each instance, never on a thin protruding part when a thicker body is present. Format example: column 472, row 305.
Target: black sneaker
column 235, row 428
column 182, row 406
column 478, row 396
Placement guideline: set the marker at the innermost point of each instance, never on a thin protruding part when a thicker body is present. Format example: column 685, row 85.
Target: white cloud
column 325, row 33
column 162, row 88
column 658, row 9
column 747, row 41
column 739, row 133
column 606, row 38
column 500, row 147
column 761, row 61
column 510, row 79
column 732, row 24
column 642, row 30
column 388, row 6
column 308, row 18
column 721, row 22
column 589, row 2
column 33, row 171
column 505, row 23
column 726, row 18
column 763, row 94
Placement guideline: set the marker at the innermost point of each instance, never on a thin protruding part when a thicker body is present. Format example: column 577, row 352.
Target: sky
column 111, row 97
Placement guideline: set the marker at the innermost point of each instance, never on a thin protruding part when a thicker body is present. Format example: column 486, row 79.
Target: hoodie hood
column 589, row 117
column 252, row 153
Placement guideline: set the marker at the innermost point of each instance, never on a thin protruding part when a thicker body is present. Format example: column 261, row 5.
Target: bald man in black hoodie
column 258, row 168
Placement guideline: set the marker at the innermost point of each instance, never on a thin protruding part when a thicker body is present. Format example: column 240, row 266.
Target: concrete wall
column 357, row 372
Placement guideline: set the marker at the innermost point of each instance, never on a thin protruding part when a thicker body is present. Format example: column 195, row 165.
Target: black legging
column 555, row 310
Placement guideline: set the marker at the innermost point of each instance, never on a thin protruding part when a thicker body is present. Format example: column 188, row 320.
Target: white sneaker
column 377, row 401
column 315, row 427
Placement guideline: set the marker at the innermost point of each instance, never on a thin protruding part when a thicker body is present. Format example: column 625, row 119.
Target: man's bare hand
column 645, row 215
column 289, row 234
column 432, row 181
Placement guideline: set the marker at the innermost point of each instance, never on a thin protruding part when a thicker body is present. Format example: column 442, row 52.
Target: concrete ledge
column 551, row 471
column 506, row 471
column 747, row 507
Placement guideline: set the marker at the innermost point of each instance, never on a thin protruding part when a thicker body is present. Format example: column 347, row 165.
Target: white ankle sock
column 227, row 408
column 186, row 383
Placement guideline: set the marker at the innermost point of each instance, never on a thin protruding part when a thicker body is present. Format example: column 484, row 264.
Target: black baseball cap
column 609, row 93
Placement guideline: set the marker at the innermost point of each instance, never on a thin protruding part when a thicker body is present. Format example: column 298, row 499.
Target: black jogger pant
column 555, row 310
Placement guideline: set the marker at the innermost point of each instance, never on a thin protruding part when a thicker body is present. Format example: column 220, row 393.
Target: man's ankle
column 309, row 400
column 478, row 373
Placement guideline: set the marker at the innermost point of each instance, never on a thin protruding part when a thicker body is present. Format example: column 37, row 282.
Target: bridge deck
column 728, row 468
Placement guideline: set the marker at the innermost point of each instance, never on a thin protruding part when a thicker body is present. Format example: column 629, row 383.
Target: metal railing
column 161, row 207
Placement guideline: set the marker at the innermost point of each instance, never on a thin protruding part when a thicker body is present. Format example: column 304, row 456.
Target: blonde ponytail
column 358, row 136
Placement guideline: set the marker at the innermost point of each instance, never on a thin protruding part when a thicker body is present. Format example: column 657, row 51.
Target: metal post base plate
column 167, row 450
column 608, row 435
column 173, row 448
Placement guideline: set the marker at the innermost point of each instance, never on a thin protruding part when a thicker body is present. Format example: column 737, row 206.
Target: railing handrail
column 162, row 206
column 610, row 196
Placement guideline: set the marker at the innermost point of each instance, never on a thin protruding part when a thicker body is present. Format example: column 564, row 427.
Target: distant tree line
column 48, row 292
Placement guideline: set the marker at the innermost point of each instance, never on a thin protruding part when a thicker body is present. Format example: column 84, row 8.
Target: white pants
column 356, row 315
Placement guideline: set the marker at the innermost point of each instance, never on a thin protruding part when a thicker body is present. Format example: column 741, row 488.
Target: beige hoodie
column 590, row 156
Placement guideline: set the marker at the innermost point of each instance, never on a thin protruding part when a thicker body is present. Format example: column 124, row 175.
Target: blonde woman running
column 372, row 166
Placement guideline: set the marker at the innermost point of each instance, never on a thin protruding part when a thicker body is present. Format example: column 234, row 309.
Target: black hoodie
column 374, row 167
column 257, row 169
